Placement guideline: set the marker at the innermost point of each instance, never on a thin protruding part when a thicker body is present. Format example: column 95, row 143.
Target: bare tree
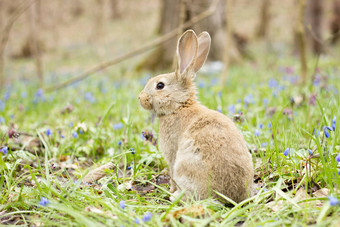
column 314, row 13
column 34, row 39
column 301, row 40
column 215, row 24
column 335, row 22
column 115, row 11
column 228, row 40
column 262, row 29
column 98, row 19
column 6, row 30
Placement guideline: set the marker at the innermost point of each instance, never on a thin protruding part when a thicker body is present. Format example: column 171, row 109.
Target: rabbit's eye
column 160, row 86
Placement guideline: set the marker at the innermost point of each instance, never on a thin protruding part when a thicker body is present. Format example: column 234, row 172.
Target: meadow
column 51, row 141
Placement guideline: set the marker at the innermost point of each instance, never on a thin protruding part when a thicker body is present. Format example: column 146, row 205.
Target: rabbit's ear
column 186, row 52
column 204, row 41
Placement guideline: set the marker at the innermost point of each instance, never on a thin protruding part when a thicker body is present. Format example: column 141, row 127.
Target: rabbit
column 203, row 148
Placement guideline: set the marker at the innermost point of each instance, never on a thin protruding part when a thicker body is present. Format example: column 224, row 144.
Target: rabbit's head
column 165, row 93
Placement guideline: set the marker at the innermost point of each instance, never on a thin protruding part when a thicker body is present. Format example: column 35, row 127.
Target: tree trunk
column 335, row 22
column 2, row 25
column 262, row 29
column 314, row 12
column 35, row 42
column 162, row 57
column 98, row 20
column 115, row 12
column 301, row 40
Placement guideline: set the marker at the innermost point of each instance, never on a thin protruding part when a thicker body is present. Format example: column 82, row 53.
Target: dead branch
column 139, row 50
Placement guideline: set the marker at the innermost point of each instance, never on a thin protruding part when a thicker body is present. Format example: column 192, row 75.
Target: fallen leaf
column 141, row 188
column 323, row 192
column 94, row 210
column 67, row 109
column 163, row 179
column 97, row 173
column 275, row 205
column 301, row 194
column 193, row 211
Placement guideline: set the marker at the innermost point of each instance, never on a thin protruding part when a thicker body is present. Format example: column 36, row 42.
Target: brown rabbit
column 204, row 149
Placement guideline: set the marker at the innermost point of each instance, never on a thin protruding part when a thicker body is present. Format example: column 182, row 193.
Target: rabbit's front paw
column 174, row 196
column 173, row 187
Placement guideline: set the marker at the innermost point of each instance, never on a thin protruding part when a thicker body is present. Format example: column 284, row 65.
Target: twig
column 139, row 50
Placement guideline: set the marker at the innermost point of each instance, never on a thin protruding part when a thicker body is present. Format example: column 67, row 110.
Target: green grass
column 55, row 169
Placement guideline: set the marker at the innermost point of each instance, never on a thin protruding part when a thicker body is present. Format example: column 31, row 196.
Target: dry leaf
column 301, row 194
column 275, row 205
column 193, row 211
column 97, row 173
column 94, row 210
column 323, row 192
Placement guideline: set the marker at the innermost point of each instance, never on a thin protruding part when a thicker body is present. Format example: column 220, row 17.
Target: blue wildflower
column 118, row 126
column 147, row 217
column 137, row 221
column 2, row 105
column 272, row 83
column 201, row 84
column 44, row 202
column 249, row 99
column 333, row 123
column 2, row 120
column 23, row 94
column 310, row 152
column 39, row 93
column 62, row 136
column 286, row 152
column 70, row 124
column 214, row 81
column 129, row 167
column 81, row 131
column 219, row 109
column 4, row 150
column 265, row 101
column 269, row 125
column 337, row 158
column 89, row 97
column 327, row 132
column 263, row 145
column 317, row 80
column 257, row 132
column 119, row 143
column 316, row 133
column 231, row 109
column 333, row 201
column 75, row 135
column 6, row 95
column 261, row 126
column 49, row 132
column 132, row 151
column 122, row 204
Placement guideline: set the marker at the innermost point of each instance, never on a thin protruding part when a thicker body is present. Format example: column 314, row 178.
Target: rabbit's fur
column 204, row 149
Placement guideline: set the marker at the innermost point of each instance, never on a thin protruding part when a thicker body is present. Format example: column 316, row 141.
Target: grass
column 99, row 121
